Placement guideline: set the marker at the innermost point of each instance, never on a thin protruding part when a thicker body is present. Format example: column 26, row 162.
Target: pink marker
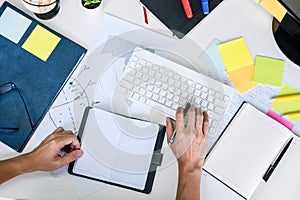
column 280, row 119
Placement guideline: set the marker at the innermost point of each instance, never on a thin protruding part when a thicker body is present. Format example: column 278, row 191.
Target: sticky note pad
column 286, row 106
column 275, row 8
column 268, row 71
column 290, row 105
column 235, row 54
column 287, row 90
column 13, row 25
column 242, row 78
column 41, row 42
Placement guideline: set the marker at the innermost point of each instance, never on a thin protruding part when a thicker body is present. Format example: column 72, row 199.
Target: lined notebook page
column 116, row 149
column 284, row 182
column 246, row 149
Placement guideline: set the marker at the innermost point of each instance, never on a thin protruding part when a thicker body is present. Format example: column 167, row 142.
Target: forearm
column 188, row 184
column 13, row 167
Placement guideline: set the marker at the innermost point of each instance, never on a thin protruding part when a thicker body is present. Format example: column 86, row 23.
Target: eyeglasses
column 8, row 87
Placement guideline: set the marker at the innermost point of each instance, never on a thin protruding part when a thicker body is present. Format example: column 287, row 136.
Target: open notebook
column 118, row 150
column 249, row 146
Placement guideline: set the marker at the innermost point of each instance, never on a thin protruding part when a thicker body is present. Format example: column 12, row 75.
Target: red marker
column 145, row 15
column 187, row 8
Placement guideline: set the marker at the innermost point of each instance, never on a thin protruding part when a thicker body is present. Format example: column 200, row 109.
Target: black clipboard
column 155, row 161
column 172, row 15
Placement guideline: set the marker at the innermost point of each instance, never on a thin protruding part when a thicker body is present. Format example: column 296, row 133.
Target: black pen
column 187, row 106
column 276, row 161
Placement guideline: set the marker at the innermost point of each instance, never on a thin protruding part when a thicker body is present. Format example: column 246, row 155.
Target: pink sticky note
column 280, row 119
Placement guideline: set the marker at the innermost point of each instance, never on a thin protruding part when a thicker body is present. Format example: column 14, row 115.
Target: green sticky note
column 285, row 106
column 268, row 71
column 287, row 90
column 235, row 54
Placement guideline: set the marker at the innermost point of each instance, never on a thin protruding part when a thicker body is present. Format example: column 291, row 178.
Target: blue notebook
column 38, row 60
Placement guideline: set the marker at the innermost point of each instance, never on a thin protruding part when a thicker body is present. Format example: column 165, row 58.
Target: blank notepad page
column 117, row 149
column 246, row 149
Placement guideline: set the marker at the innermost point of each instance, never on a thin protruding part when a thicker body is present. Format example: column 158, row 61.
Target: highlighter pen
column 187, row 8
column 205, row 7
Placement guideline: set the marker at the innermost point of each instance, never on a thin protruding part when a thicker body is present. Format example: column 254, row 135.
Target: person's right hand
column 191, row 141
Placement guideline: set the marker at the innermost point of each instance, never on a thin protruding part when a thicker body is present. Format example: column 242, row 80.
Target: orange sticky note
column 242, row 78
column 275, row 8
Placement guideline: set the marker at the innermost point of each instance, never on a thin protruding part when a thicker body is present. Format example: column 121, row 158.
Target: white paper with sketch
column 245, row 151
column 116, row 149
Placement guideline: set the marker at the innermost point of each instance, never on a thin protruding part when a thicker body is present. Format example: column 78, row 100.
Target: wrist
column 25, row 163
column 190, row 168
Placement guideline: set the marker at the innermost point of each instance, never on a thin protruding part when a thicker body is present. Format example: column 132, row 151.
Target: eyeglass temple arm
column 31, row 124
column 8, row 128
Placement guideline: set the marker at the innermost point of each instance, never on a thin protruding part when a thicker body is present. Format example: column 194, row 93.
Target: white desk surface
column 232, row 19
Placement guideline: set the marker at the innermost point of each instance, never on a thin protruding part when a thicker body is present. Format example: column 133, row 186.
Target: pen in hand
column 172, row 138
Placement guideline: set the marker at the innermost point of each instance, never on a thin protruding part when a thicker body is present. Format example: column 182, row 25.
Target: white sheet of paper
column 117, row 149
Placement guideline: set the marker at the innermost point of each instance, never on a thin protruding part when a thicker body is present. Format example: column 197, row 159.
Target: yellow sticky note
column 294, row 116
column 275, row 8
column 268, row 71
column 235, row 54
column 41, row 42
column 242, row 78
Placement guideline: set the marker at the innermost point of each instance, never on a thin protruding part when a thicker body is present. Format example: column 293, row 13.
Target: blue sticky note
column 212, row 61
column 13, row 25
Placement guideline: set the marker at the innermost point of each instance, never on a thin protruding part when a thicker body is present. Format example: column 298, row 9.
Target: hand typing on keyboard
column 163, row 86
column 190, row 149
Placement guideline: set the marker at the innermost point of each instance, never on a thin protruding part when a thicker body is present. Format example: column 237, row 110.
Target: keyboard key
column 126, row 84
column 168, row 103
column 136, row 96
column 204, row 89
column 219, row 110
column 155, row 97
column 122, row 90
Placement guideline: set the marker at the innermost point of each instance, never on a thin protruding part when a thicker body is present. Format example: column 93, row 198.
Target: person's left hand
column 47, row 156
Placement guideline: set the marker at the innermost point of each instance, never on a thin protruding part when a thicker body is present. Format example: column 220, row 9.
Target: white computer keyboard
column 164, row 85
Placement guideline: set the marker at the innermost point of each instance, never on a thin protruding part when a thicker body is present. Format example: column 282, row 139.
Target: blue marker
column 205, row 7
